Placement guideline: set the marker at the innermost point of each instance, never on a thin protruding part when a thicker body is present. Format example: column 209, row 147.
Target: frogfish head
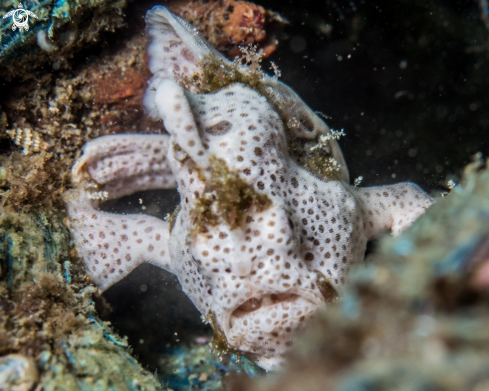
column 262, row 291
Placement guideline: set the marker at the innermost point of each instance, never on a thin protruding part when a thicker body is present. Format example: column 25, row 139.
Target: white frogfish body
column 268, row 225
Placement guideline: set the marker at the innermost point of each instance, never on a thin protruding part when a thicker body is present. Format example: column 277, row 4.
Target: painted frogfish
column 268, row 225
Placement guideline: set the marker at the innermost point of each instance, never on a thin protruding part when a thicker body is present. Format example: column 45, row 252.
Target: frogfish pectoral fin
column 392, row 207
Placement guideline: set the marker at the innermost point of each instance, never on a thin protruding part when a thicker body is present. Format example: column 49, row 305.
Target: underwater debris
column 66, row 26
column 99, row 195
column 415, row 317
column 229, row 24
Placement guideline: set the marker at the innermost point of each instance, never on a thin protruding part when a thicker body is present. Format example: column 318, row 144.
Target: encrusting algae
column 46, row 312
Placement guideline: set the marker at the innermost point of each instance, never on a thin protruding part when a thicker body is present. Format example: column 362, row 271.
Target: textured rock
column 50, row 336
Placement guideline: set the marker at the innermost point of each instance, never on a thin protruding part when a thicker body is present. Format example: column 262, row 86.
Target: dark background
column 413, row 99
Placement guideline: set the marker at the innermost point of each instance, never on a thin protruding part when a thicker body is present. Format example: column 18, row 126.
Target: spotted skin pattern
column 258, row 273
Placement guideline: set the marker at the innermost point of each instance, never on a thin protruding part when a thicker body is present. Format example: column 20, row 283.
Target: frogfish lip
column 268, row 312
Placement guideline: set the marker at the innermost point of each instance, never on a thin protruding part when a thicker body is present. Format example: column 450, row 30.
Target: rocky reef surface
column 50, row 335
